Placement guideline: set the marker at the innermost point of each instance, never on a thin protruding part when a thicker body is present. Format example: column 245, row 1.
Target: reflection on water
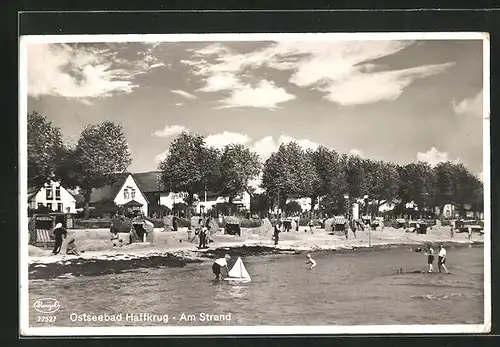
column 344, row 289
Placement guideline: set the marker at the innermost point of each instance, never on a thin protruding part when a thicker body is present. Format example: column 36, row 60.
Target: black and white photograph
column 221, row 184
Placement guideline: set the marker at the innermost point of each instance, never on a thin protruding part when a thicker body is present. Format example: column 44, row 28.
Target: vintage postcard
column 248, row 184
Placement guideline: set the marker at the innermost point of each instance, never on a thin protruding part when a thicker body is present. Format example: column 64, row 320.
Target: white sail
column 238, row 270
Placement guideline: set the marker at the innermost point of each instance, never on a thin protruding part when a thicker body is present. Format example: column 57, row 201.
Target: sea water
column 350, row 288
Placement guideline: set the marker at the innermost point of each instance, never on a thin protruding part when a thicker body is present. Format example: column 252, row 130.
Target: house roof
column 108, row 193
column 148, row 181
column 132, row 203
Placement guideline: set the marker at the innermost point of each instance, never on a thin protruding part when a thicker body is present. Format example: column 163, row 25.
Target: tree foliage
column 259, row 203
column 238, row 165
column 101, row 152
column 45, row 147
column 190, row 166
column 289, row 170
column 292, row 208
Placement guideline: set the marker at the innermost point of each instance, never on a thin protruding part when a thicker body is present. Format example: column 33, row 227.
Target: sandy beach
column 95, row 244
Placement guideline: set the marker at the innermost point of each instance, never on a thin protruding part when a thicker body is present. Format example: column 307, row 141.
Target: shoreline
column 121, row 260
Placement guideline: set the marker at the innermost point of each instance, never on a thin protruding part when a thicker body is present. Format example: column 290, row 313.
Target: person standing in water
column 442, row 259
column 430, row 259
column 59, row 233
column 310, row 260
column 311, row 226
column 219, row 264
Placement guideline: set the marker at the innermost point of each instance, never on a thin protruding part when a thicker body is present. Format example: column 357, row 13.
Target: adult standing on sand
column 442, row 259
column 59, row 233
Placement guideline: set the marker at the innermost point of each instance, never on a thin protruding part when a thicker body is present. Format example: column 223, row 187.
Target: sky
column 398, row 101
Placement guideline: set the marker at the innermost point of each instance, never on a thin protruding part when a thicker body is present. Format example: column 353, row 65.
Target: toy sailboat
column 238, row 273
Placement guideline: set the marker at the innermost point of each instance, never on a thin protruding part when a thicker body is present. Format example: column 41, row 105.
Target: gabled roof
column 109, row 193
column 148, row 181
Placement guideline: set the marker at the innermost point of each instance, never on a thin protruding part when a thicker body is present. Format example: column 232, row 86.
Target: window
column 40, row 205
column 49, row 206
column 132, row 193
column 48, row 193
column 126, row 194
column 58, row 193
column 59, row 207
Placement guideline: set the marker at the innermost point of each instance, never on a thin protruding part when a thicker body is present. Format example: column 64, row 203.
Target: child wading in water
column 430, row 259
column 310, row 260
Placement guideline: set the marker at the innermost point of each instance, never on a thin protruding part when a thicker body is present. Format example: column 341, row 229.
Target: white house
column 207, row 201
column 169, row 199
column 123, row 192
column 53, row 196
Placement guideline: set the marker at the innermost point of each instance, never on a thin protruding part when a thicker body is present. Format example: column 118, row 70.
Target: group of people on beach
column 441, row 259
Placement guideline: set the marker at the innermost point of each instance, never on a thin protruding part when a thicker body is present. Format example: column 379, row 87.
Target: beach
column 172, row 249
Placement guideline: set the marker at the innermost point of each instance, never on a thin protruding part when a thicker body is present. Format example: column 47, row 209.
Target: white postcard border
column 26, row 330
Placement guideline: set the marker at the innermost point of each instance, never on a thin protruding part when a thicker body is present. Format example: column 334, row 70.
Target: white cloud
column 222, row 139
column 267, row 145
column 82, row 72
column 169, row 130
column 179, row 104
column 183, row 94
column 356, row 152
column 472, row 107
column 265, row 95
column 365, row 88
column 434, row 157
column 159, row 158
column 342, row 70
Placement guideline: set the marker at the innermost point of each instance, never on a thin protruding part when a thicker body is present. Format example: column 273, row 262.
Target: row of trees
column 193, row 167
column 294, row 172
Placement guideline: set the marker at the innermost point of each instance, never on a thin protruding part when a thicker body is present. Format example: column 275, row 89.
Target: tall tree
column 190, row 166
column 382, row 182
column 101, row 152
column 355, row 174
column 238, row 165
column 259, row 203
column 45, row 146
column 284, row 172
column 330, row 178
column 417, row 183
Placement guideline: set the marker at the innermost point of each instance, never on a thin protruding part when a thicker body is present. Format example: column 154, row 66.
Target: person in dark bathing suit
column 59, row 233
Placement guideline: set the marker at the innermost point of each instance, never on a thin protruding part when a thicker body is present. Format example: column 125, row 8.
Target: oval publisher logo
column 46, row 305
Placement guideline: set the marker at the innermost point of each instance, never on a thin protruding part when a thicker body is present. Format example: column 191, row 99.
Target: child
column 310, row 260
column 430, row 259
